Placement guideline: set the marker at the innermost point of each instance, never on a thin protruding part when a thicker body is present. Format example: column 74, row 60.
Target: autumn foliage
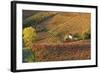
column 29, row 36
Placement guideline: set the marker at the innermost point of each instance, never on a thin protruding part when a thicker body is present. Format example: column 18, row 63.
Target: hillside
column 69, row 23
column 52, row 26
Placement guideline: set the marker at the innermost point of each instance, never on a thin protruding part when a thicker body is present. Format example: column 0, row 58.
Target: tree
column 87, row 35
column 29, row 36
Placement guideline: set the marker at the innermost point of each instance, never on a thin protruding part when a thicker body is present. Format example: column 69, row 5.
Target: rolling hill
column 52, row 26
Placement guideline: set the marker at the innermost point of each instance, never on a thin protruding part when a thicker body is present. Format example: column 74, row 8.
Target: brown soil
column 73, row 50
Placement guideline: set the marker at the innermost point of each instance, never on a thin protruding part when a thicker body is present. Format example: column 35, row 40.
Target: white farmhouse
column 68, row 37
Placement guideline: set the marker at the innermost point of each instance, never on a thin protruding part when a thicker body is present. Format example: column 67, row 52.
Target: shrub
column 87, row 35
column 28, row 55
column 41, row 29
column 77, row 36
column 29, row 36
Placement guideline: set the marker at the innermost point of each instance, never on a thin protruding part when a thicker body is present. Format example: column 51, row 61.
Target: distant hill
column 36, row 18
column 28, row 13
column 69, row 23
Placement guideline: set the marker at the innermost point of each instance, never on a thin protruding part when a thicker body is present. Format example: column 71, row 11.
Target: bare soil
column 73, row 50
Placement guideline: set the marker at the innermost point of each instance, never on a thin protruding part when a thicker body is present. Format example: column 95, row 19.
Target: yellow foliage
column 29, row 36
